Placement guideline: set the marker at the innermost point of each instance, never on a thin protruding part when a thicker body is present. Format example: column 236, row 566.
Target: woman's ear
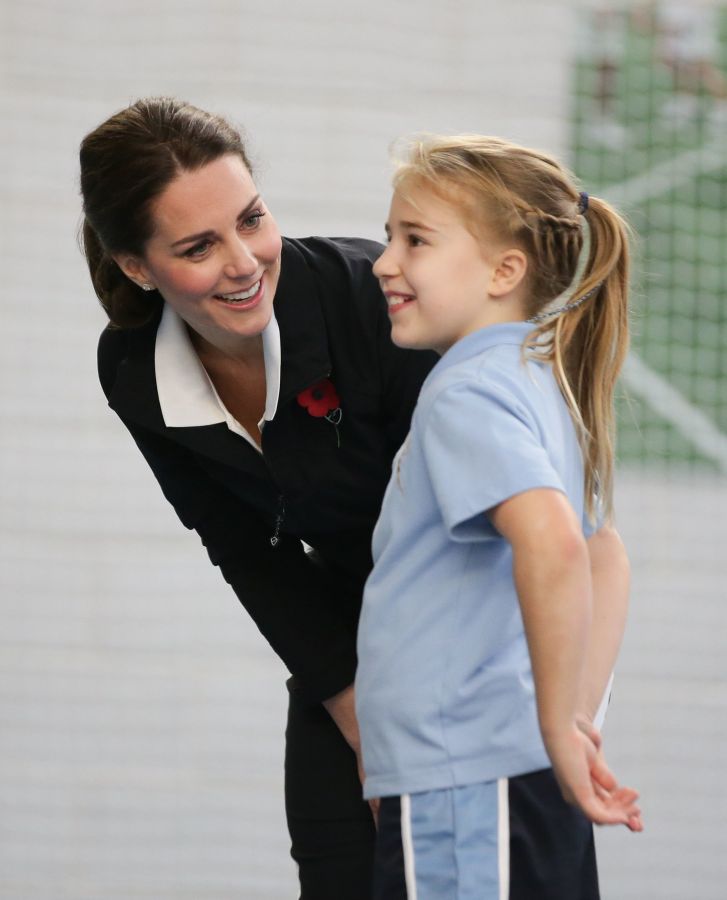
column 133, row 268
column 509, row 271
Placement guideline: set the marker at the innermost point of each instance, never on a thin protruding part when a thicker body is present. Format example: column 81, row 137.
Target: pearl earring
column 147, row 287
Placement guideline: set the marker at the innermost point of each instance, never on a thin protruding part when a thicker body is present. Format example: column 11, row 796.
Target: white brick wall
column 141, row 715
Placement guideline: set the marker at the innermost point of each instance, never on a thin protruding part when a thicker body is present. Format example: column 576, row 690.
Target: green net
column 650, row 135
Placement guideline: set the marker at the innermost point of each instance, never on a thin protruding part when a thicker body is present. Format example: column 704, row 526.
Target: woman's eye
column 253, row 220
column 198, row 249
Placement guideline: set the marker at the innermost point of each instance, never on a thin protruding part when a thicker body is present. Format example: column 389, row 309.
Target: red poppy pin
column 322, row 401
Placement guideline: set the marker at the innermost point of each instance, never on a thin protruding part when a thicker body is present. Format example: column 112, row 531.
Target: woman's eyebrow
column 209, row 233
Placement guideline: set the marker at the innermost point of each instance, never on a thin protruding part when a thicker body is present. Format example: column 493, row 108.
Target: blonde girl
column 494, row 613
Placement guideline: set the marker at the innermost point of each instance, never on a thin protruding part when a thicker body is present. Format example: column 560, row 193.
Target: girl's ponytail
column 587, row 343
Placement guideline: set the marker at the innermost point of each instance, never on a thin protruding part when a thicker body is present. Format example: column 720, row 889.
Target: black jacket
column 333, row 323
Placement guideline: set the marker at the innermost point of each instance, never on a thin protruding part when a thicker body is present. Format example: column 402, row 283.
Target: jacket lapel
column 303, row 332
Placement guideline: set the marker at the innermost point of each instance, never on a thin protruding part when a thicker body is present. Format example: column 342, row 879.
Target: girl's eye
column 415, row 241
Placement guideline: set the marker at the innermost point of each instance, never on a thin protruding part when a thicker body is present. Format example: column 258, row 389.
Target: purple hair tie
column 583, row 203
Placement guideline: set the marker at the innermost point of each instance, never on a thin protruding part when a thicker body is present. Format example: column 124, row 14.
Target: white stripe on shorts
column 408, row 847
column 503, row 837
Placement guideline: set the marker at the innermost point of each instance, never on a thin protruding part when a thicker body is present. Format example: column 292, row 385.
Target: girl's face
column 215, row 253
column 440, row 282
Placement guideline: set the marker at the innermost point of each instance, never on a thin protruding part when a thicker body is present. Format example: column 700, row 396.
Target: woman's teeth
column 243, row 295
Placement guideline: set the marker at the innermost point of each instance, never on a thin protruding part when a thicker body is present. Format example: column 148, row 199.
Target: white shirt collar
column 187, row 396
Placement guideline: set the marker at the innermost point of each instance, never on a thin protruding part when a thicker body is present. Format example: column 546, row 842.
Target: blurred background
column 141, row 714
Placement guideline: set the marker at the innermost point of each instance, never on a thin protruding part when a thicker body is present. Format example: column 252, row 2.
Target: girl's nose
column 385, row 265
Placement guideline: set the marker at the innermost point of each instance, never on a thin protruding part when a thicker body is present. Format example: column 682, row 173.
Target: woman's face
column 214, row 254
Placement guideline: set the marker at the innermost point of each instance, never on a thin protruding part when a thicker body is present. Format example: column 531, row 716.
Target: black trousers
column 331, row 827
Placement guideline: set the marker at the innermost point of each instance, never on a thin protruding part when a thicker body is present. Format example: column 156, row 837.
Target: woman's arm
column 292, row 601
column 551, row 568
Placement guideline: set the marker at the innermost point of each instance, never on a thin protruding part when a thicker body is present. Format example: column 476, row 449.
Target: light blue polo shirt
column 444, row 688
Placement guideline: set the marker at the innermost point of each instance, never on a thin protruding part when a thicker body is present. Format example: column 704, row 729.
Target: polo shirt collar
column 187, row 397
column 484, row 339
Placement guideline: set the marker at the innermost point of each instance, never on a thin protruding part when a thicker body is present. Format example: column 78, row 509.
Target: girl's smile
column 397, row 301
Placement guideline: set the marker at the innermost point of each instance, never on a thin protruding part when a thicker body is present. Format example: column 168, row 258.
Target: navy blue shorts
column 512, row 839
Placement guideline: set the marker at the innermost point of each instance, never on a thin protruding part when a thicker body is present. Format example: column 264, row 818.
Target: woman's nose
column 241, row 260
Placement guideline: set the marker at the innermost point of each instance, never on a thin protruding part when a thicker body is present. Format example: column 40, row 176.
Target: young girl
column 496, row 606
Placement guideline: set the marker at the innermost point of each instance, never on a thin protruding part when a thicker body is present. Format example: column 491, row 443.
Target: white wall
column 141, row 715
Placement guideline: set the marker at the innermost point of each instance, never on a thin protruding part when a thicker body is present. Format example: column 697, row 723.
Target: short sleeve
column 481, row 447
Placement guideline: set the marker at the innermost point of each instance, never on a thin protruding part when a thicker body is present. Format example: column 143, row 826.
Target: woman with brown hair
column 257, row 376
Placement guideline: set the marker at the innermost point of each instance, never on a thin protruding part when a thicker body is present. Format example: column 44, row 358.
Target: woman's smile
column 244, row 299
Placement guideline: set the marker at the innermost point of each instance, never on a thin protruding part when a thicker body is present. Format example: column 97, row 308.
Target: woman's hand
column 342, row 709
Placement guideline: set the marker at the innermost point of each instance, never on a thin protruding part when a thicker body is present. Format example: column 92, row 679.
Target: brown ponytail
column 124, row 302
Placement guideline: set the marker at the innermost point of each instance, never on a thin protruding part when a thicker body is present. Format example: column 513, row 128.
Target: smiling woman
column 221, row 336
column 214, row 255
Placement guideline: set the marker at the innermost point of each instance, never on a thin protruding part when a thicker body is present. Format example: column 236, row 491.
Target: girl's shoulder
column 499, row 379
column 493, row 369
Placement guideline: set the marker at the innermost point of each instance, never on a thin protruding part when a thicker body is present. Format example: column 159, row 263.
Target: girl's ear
column 509, row 270
column 132, row 267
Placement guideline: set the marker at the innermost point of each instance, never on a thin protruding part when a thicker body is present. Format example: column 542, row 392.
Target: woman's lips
column 243, row 299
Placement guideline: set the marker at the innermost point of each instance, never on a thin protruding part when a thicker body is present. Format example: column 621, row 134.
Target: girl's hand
column 586, row 781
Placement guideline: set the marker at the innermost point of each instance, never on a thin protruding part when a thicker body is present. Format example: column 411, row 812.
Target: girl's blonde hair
column 509, row 193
